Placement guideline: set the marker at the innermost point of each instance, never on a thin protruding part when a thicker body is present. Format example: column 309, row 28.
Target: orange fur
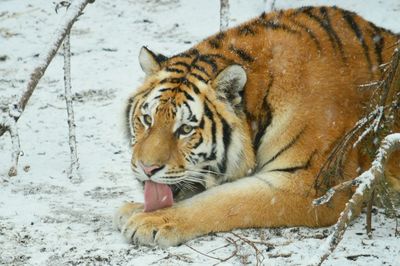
column 304, row 68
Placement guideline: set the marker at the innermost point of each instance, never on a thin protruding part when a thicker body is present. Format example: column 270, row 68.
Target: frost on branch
column 379, row 120
column 73, row 174
column 367, row 182
column 224, row 15
column 11, row 112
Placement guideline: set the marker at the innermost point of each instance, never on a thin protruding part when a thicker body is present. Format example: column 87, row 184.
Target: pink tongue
column 157, row 196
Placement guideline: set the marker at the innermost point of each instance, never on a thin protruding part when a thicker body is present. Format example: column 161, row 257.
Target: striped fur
column 266, row 102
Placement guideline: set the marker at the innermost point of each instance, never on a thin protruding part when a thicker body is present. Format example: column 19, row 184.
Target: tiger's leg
column 263, row 200
column 125, row 212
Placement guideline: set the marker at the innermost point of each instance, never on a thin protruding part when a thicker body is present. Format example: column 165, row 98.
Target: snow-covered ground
column 47, row 220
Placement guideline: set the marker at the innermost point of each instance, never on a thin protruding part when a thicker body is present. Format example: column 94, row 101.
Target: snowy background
column 47, row 220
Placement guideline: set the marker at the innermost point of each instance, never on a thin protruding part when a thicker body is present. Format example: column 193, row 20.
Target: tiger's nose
column 150, row 170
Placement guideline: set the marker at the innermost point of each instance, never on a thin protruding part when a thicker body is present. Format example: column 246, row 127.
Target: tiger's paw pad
column 153, row 229
column 125, row 212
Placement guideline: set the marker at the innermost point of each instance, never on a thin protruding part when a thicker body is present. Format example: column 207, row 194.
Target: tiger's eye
column 185, row 129
column 147, row 119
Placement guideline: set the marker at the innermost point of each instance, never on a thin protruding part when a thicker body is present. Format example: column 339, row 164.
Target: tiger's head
column 187, row 124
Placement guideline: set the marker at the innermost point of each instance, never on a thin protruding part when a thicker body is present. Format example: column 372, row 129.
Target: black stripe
column 220, row 36
column 226, row 138
column 129, row 108
column 177, row 90
column 293, row 169
column 379, row 43
column 246, row 30
column 193, row 51
column 188, row 107
column 210, row 61
column 185, row 55
column 193, row 119
column 275, row 25
column 212, row 156
column 242, row 54
column 192, row 86
column 190, row 158
column 226, row 135
column 210, row 116
column 200, row 154
column 326, row 25
column 158, row 57
column 214, row 43
column 187, row 95
column 219, row 56
column 132, row 99
column 285, row 148
column 201, row 125
column 181, row 64
column 349, row 17
column 175, row 70
column 161, row 58
column 304, row 9
column 325, row 16
column 201, row 69
column 197, row 144
column 262, row 124
column 309, row 31
column 173, row 80
column 198, row 77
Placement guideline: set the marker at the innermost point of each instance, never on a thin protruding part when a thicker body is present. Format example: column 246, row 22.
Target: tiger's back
column 305, row 68
column 250, row 115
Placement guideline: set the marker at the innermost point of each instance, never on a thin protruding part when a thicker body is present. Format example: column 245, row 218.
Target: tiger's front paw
column 162, row 228
column 125, row 212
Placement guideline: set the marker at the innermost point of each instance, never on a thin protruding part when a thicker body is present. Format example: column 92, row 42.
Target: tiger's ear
column 150, row 62
column 229, row 84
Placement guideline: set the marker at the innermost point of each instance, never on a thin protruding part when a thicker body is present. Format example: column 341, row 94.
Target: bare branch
column 16, row 148
column 73, row 174
column 367, row 180
column 10, row 114
column 74, row 11
column 378, row 121
column 269, row 5
column 369, row 215
column 252, row 244
column 229, row 240
column 224, row 15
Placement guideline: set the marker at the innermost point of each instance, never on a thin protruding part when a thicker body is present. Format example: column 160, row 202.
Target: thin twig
column 73, row 174
column 329, row 194
column 16, row 147
column 9, row 115
column 234, row 253
column 251, row 244
column 369, row 215
column 269, row 5
column 224, row 15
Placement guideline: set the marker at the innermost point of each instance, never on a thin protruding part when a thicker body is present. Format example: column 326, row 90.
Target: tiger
column 232, row 132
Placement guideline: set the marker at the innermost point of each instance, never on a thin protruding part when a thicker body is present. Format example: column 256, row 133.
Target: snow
column 47, row 220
